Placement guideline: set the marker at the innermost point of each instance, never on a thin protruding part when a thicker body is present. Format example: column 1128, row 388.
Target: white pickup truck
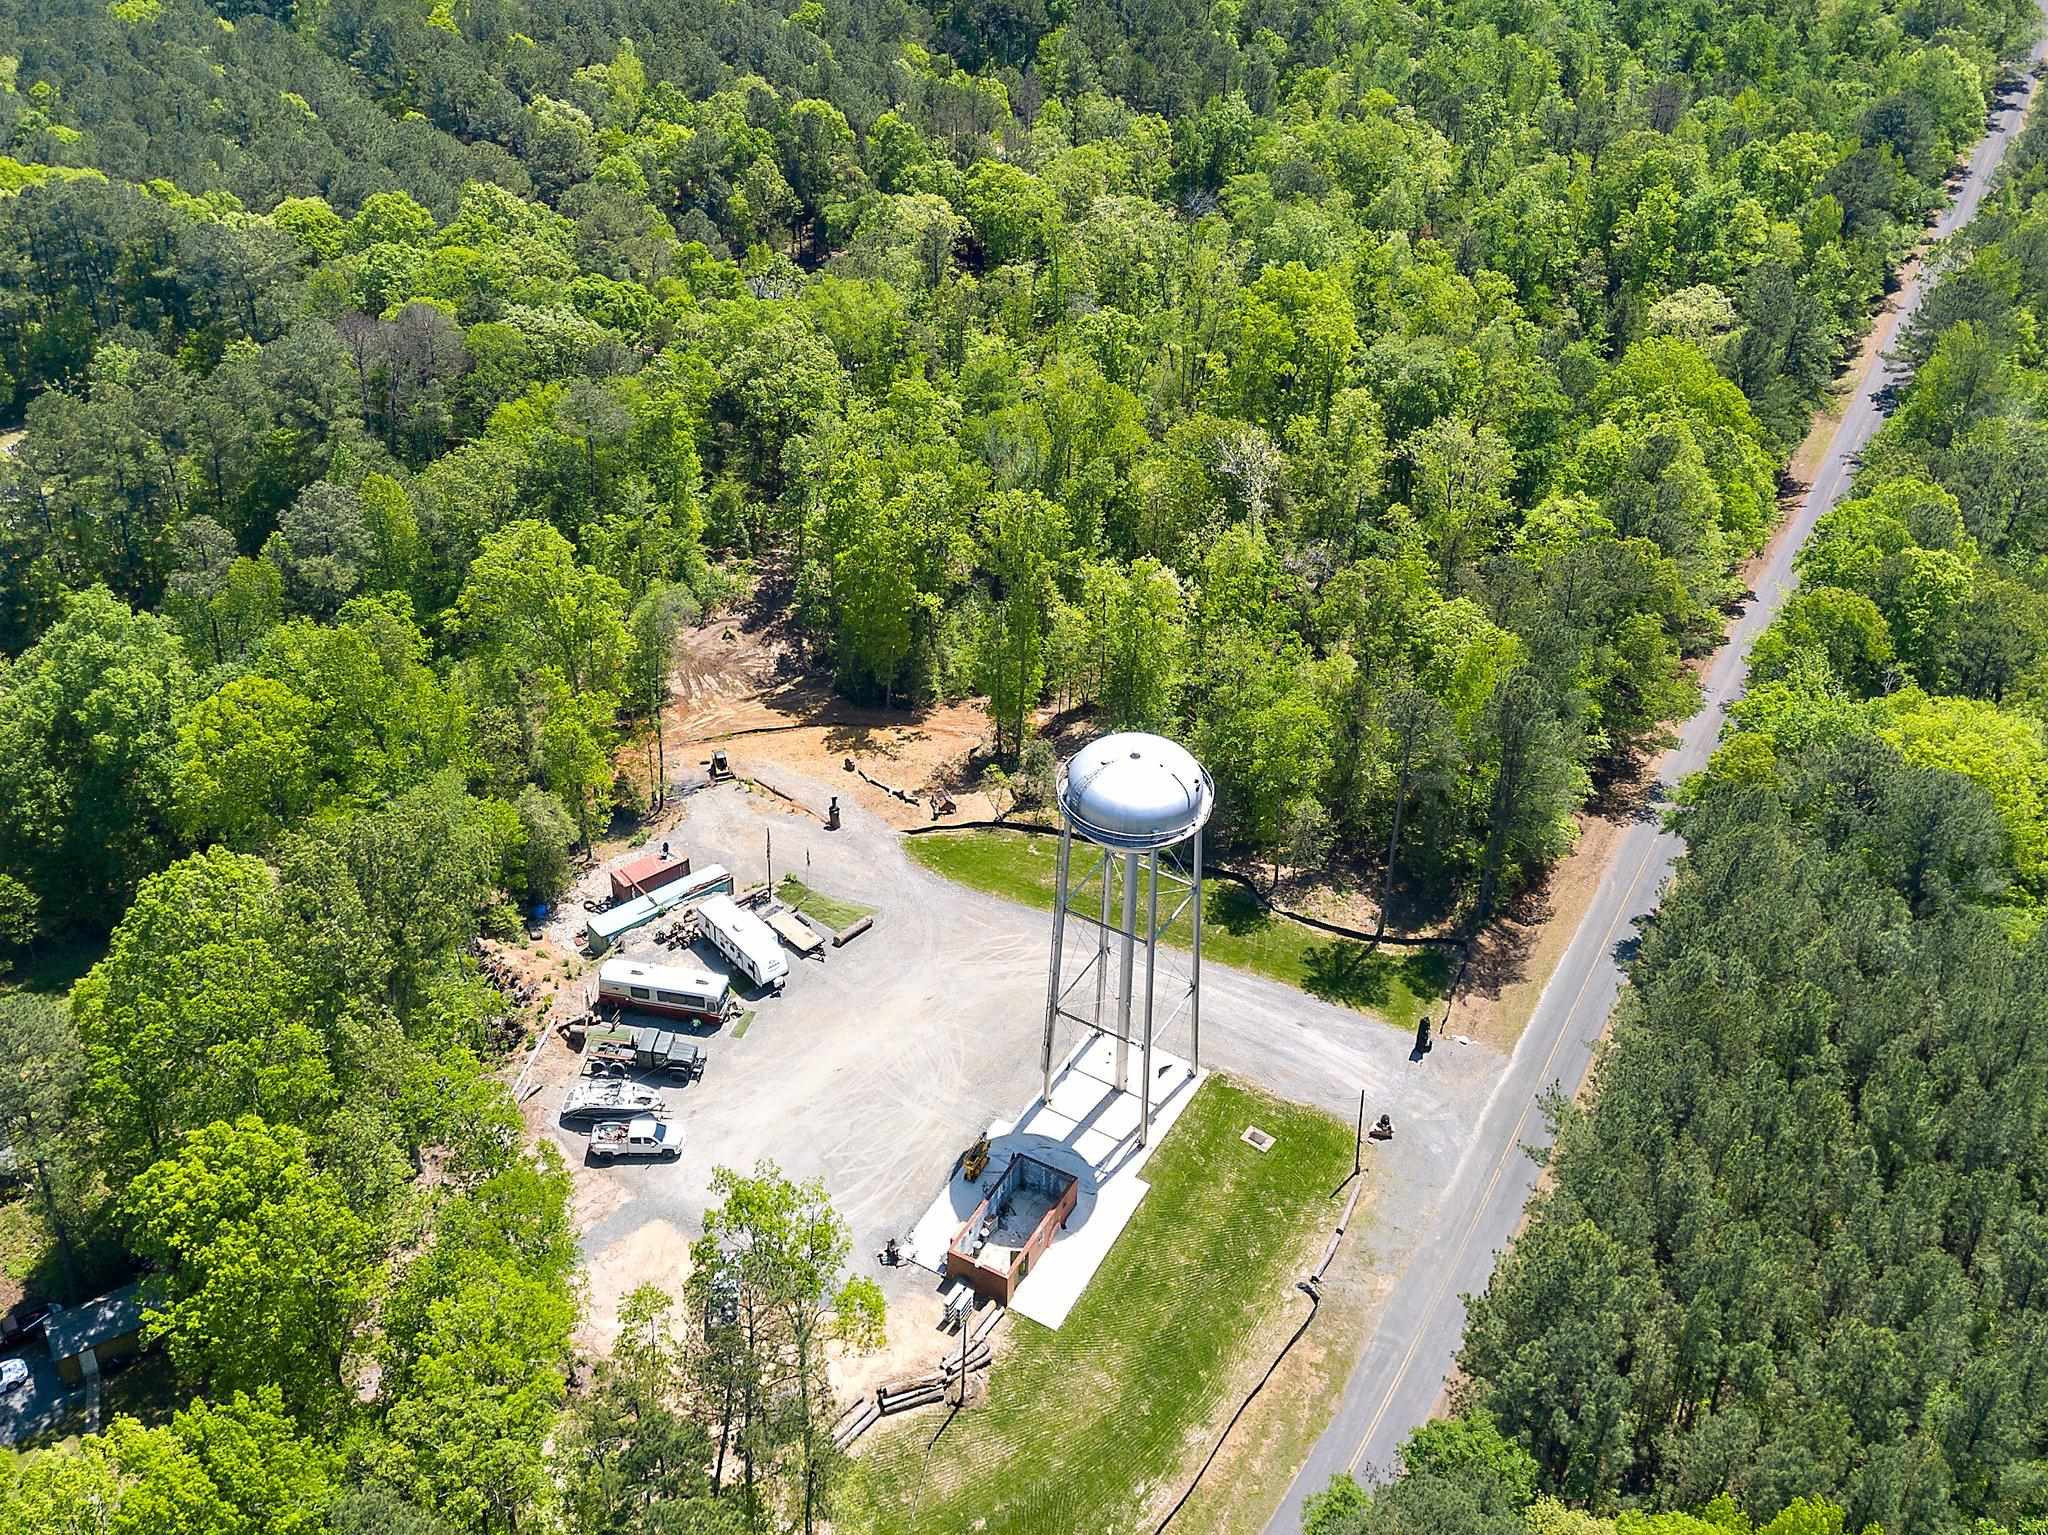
column 644, row 1137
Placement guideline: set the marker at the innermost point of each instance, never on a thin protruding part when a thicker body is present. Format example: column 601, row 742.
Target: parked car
column 646, row 1138
column 22, row 1320
column 13, row 1376
column 616, row 1051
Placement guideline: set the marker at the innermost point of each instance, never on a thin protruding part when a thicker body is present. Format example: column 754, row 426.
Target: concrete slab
column 1089, row 1129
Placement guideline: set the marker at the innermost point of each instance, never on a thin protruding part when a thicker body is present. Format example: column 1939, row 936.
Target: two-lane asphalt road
column 1400, row 1375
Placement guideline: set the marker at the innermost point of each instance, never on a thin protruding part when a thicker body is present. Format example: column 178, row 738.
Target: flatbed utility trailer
column 615, row 1051
column 792, row 930
column 590, row 1101
column 643, row 1137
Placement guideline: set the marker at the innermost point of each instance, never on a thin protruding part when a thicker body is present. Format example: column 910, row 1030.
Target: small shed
column 646, row 872
column 85, row 1339
column 602, row 929
column 1012, row 1227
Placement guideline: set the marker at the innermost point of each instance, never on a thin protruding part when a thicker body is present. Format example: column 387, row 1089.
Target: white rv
column 673, row 991
column 744, row 939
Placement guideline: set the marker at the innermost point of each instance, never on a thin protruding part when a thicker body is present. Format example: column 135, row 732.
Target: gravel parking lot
column 879, row 1063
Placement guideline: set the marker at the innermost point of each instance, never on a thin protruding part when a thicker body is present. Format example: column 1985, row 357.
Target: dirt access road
column 879, row 1064
column 1411, row 1351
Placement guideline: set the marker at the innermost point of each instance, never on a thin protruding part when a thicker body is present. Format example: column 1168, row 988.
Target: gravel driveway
column 879, row 1063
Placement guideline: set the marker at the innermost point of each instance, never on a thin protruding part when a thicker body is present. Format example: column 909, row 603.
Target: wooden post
column 770, row 837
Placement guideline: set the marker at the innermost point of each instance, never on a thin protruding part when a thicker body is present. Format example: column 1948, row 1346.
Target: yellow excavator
column 975, row 1162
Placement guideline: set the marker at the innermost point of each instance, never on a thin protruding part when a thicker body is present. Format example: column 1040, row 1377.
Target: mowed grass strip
column 1395, row 984
column 830, row 910
column 1085, row 1428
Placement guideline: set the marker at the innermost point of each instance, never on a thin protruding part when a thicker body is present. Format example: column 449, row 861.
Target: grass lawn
column 1394, row 983
column 831, row 911
column 1086, row 1428
column 23, row 1242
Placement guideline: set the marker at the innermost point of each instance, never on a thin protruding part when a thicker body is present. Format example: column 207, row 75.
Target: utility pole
column 1358, row 1145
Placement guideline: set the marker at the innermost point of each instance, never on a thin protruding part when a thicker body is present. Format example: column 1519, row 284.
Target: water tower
column 1132, row 809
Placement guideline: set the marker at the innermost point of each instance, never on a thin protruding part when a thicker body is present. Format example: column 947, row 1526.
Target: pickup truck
column 618, row 1050
column 646, row 1137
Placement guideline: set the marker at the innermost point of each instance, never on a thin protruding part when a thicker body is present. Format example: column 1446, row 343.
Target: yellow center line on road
column 1508, row 1154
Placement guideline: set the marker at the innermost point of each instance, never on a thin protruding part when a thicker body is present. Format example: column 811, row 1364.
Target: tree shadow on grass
column 1236, row 910
column 1354, row 975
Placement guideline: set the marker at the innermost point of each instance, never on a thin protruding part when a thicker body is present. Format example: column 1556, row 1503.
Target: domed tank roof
column 1132, row 790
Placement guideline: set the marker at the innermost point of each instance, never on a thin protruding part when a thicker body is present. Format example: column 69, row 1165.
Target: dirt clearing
column 744, row 689
column 657, row 1253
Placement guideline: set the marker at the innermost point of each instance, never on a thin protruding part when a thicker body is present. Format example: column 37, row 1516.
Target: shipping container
column 647, row 872
column 605, row 928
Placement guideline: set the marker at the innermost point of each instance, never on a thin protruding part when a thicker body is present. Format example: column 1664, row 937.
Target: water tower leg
column 1151, row 964
column 1059, row 938
column 1130, row 937
column 1108, row 863
column 1195, row 974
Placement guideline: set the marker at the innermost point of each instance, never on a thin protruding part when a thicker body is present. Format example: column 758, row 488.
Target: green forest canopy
column 1798, row 1243
column 1379, row 397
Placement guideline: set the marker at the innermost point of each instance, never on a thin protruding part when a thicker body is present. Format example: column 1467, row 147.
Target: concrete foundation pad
column 1088, row 1128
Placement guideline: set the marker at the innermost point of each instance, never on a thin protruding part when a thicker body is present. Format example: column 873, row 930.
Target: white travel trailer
column 744, row 939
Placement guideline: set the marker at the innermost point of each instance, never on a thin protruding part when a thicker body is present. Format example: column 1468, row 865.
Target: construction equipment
column 721, row 769
column 975, row 1163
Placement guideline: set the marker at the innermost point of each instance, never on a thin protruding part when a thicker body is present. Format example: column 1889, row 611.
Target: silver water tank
column 1135, row 791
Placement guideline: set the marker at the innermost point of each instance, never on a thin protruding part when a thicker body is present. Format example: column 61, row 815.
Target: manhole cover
column 1257, row 1139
